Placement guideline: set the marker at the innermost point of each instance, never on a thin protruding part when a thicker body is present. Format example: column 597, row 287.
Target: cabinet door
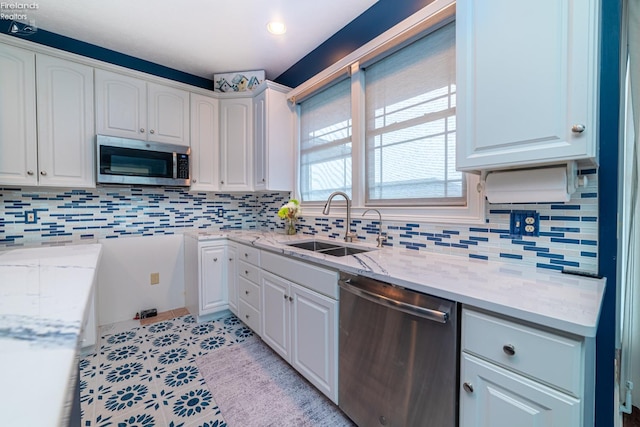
column 521, row 90
column 314, row 351
column 500, row 398
column 236, row 158
column 232, row 278
column 276, row 313
column 18, row 152
column 121, row 105
column 259, row 141
column 65, row 123
column 205, row 144
column 213, row 279
column 168, row 118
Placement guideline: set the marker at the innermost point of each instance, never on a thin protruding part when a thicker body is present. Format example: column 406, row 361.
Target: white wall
column 124, row 276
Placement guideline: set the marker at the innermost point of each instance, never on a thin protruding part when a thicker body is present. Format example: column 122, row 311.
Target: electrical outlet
column 524, row 223
column 30, row 217
column 155, row 278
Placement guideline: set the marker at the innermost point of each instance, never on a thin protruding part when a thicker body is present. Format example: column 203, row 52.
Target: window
column 325, row 143
column 380, row 125
column 411, row 125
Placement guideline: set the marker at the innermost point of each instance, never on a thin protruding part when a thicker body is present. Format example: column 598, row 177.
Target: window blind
column 325, row 143
column 410, row 136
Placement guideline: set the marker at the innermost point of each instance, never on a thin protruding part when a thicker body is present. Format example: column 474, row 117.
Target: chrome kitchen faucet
column 380, row 239
column 348, row 235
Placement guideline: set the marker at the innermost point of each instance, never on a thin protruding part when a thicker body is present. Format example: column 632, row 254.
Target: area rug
column 254, row 387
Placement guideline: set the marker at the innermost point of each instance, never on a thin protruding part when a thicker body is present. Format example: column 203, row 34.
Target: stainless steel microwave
column 131, row 161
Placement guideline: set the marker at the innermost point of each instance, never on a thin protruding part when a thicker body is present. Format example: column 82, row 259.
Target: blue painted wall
column 608, row 202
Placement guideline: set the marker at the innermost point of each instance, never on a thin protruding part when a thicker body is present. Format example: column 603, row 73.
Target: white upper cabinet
column 132, row 108
column 18, row 141
column 526, row 82
column 121, row 105
column 205, row 143
column 55, row 146
column 236, row 144
column 273, row 140
column 66, row 130
column 168, row 114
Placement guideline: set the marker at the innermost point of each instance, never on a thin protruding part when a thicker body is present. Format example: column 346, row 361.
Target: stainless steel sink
column 333, row 249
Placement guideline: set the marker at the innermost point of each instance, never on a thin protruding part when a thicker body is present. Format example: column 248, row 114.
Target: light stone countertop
column 560, row 301
column 44, row 296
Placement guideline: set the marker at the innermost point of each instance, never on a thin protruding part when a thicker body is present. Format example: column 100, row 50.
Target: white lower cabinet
column 213, row 278
column 206, row 276
column 516, row 374
column 300, row 324
column 495, row 397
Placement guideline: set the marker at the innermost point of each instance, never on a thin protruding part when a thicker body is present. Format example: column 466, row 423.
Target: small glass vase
column 290, row 227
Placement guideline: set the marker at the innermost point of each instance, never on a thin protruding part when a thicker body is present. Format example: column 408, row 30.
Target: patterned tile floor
column 146, row 376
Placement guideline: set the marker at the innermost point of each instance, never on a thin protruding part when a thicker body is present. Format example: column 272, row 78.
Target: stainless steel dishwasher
column 398, row 355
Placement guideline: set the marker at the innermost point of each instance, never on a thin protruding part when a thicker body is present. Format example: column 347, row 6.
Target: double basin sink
column 329, row 248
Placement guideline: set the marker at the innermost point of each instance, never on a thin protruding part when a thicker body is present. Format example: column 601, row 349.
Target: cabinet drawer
column 315, row 278
column 551, row 358
column 249, row 254
column 249, row 292
column 249, row 315
column 249, row 272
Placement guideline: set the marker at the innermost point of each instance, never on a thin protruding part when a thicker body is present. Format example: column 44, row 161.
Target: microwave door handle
column 175, row 165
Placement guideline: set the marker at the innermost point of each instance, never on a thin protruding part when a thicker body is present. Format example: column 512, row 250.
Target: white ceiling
column 201, row 37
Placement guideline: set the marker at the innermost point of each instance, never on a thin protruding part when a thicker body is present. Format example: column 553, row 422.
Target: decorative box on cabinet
column 205, row 143
column 248, row 285
column 132, row 108
column 273, row 139
column 518, row 374
column 236, row 142
column 299, row 322
column 529, row 98
column 55, row 146
column 205, row 272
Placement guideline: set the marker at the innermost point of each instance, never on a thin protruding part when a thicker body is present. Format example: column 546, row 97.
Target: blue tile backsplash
column 568, row 235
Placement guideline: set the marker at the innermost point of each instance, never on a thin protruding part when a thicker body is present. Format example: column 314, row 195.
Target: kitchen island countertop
column 44, row 297
column 565, row 302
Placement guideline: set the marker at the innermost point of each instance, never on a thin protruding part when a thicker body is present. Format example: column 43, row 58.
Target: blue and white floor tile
column 146, row 375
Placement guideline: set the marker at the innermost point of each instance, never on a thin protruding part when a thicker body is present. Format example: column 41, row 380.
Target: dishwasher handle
column 426, row 313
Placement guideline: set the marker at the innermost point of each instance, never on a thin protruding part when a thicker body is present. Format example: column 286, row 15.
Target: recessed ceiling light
column 275, row 27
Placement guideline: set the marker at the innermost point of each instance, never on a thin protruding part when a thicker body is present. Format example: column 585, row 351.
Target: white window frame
column 388, row 42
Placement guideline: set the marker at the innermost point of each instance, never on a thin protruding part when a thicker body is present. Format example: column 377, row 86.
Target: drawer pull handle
column 290, row 298
column 246, row 255
column 246, row 272
column 246, row 316
column 246, row 292
column 509, row 349
column 468, row 387
column 215, row 260
column 285, row 297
